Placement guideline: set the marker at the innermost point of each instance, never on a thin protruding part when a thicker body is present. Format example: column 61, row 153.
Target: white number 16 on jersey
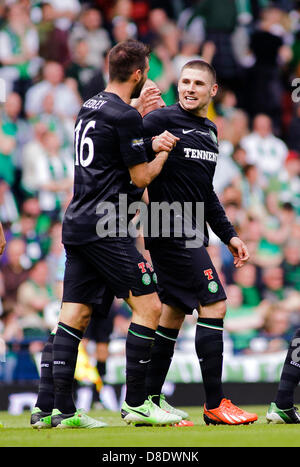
column 81, row 141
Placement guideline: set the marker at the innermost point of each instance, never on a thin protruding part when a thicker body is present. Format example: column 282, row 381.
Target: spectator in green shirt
column 242, row 322
column 291, row 265
column 246, row 279
column 163, row 73
column 7, row 146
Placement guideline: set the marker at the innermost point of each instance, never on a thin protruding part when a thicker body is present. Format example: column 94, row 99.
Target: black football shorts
column 113, row 266
column 185, row 276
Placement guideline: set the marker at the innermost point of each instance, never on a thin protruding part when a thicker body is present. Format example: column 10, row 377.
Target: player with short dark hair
column 187, row 278
column 124, row 58
column 203, row 66
column 101, row 257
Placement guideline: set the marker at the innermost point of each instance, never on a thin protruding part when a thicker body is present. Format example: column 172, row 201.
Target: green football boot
column 77, row 420
column 147, row 414
column 276, row 415
column 163, row 404
column 40, row 419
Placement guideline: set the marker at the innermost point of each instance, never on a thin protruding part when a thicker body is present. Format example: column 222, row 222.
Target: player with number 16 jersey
column 108, row 140
column 110, row 161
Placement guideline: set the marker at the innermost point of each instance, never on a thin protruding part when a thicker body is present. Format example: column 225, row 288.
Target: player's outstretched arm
column 143, row 174
column 222, row 227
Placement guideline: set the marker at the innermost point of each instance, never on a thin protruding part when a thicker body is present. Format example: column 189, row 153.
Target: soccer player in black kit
column 187, row 278
column 101, row 258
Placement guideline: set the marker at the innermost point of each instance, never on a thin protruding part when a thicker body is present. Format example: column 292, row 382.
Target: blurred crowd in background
column 53, row 56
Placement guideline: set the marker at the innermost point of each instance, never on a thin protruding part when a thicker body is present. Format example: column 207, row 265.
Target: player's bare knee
column 147, row 312
column 80, row 322
column 84, row 321
column 214, row 310
column 76, row 315
column 153, row 310
column 146, row 305
column 171, row 317
column 156, row 307
column 219, row 309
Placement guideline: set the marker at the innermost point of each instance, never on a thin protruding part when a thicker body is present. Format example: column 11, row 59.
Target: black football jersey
column 108, row 140
column 187, row 176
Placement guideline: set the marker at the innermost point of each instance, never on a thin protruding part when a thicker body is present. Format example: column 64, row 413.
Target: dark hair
column 248, row 167
column 126, row 57
column 201, row 65
column 287, row 206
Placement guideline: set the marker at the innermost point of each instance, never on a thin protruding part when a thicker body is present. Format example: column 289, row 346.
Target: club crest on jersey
column 146, row 279
column 213, row 136
column 213, row 287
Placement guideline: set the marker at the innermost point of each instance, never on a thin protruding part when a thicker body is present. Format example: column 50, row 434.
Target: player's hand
column 239, row 251
column 150, row 99
column 166, row 141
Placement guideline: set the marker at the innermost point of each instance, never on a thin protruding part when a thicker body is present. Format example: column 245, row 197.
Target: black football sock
column 45, row 400
column 65, row 350
column 290, row 375
column 209, row 349
column 161, row 358
column 101, row 367
column 138, row 351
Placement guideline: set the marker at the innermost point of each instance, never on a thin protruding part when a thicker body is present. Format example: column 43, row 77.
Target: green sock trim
column 69, row 332
column 211, row 326
column 141, row 335
column 166, row 337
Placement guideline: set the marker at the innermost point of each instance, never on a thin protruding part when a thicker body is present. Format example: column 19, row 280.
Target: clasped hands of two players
column 166, row 141
column 148, row 101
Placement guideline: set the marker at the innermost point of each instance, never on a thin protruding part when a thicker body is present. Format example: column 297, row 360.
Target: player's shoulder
column 212, row 130
column 129, row 116
column 113, row 106
column 211, row 125
column 160, row 116
column 163, row 111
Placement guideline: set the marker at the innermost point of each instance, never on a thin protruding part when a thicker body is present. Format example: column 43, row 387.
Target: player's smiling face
column 195, row 89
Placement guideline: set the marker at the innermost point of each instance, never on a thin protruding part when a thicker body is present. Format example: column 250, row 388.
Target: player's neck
column 123, row 90
column 198, row 112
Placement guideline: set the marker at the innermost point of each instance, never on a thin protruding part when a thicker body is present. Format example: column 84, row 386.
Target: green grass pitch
column 16, row 432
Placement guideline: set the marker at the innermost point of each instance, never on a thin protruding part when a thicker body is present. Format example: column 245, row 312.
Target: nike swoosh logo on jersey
column 145, row 361
column 188, row 131
column 144, row 414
